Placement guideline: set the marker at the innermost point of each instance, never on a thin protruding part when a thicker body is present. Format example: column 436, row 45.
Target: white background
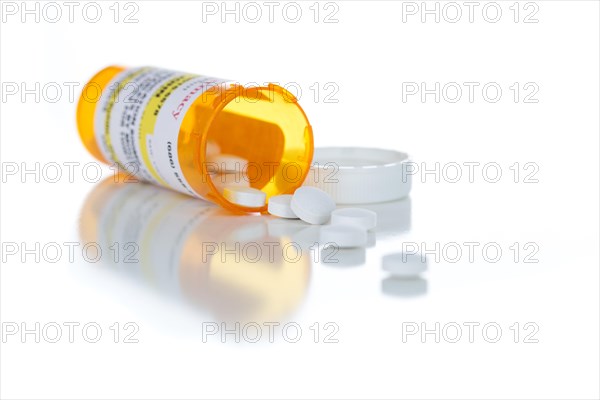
column 367, row 54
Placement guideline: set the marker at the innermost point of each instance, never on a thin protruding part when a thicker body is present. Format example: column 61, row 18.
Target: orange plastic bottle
column 169, row 127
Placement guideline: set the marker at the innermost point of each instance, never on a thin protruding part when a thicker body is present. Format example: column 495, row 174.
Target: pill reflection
column 404, row 287
column 233, row 266
column 335, row 257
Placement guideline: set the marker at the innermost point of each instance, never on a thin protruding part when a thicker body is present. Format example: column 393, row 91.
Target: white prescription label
column 137, row 122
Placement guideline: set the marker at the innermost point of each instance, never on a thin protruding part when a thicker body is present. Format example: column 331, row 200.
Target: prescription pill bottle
column 196, row 134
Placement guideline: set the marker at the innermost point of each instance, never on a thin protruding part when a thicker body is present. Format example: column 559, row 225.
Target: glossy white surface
column 180, row 286
column 342, row 237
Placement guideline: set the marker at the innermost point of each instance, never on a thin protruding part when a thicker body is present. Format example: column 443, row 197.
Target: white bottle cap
column 355, row 175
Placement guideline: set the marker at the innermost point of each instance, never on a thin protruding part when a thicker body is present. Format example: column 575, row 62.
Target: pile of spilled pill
column 348, row 227
column 364, row 176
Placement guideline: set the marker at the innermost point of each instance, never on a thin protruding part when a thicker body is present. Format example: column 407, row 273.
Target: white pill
column 243, row 196
column 343, row 236
column 227, row 163
column 312, row 205
column 280, row 206
column 359, row 217
column 404, row 265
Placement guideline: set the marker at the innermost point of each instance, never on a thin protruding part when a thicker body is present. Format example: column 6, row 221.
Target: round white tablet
column 312, row 205
column 249, row 197
column 343, row 236
column 360, row 217
column 280, row 206
column 227, row 163
column 404, row 265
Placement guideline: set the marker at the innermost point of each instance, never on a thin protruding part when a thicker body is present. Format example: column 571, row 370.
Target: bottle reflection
column 233, row 266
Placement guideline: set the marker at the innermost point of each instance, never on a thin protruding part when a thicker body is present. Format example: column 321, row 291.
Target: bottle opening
column 249, row 137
